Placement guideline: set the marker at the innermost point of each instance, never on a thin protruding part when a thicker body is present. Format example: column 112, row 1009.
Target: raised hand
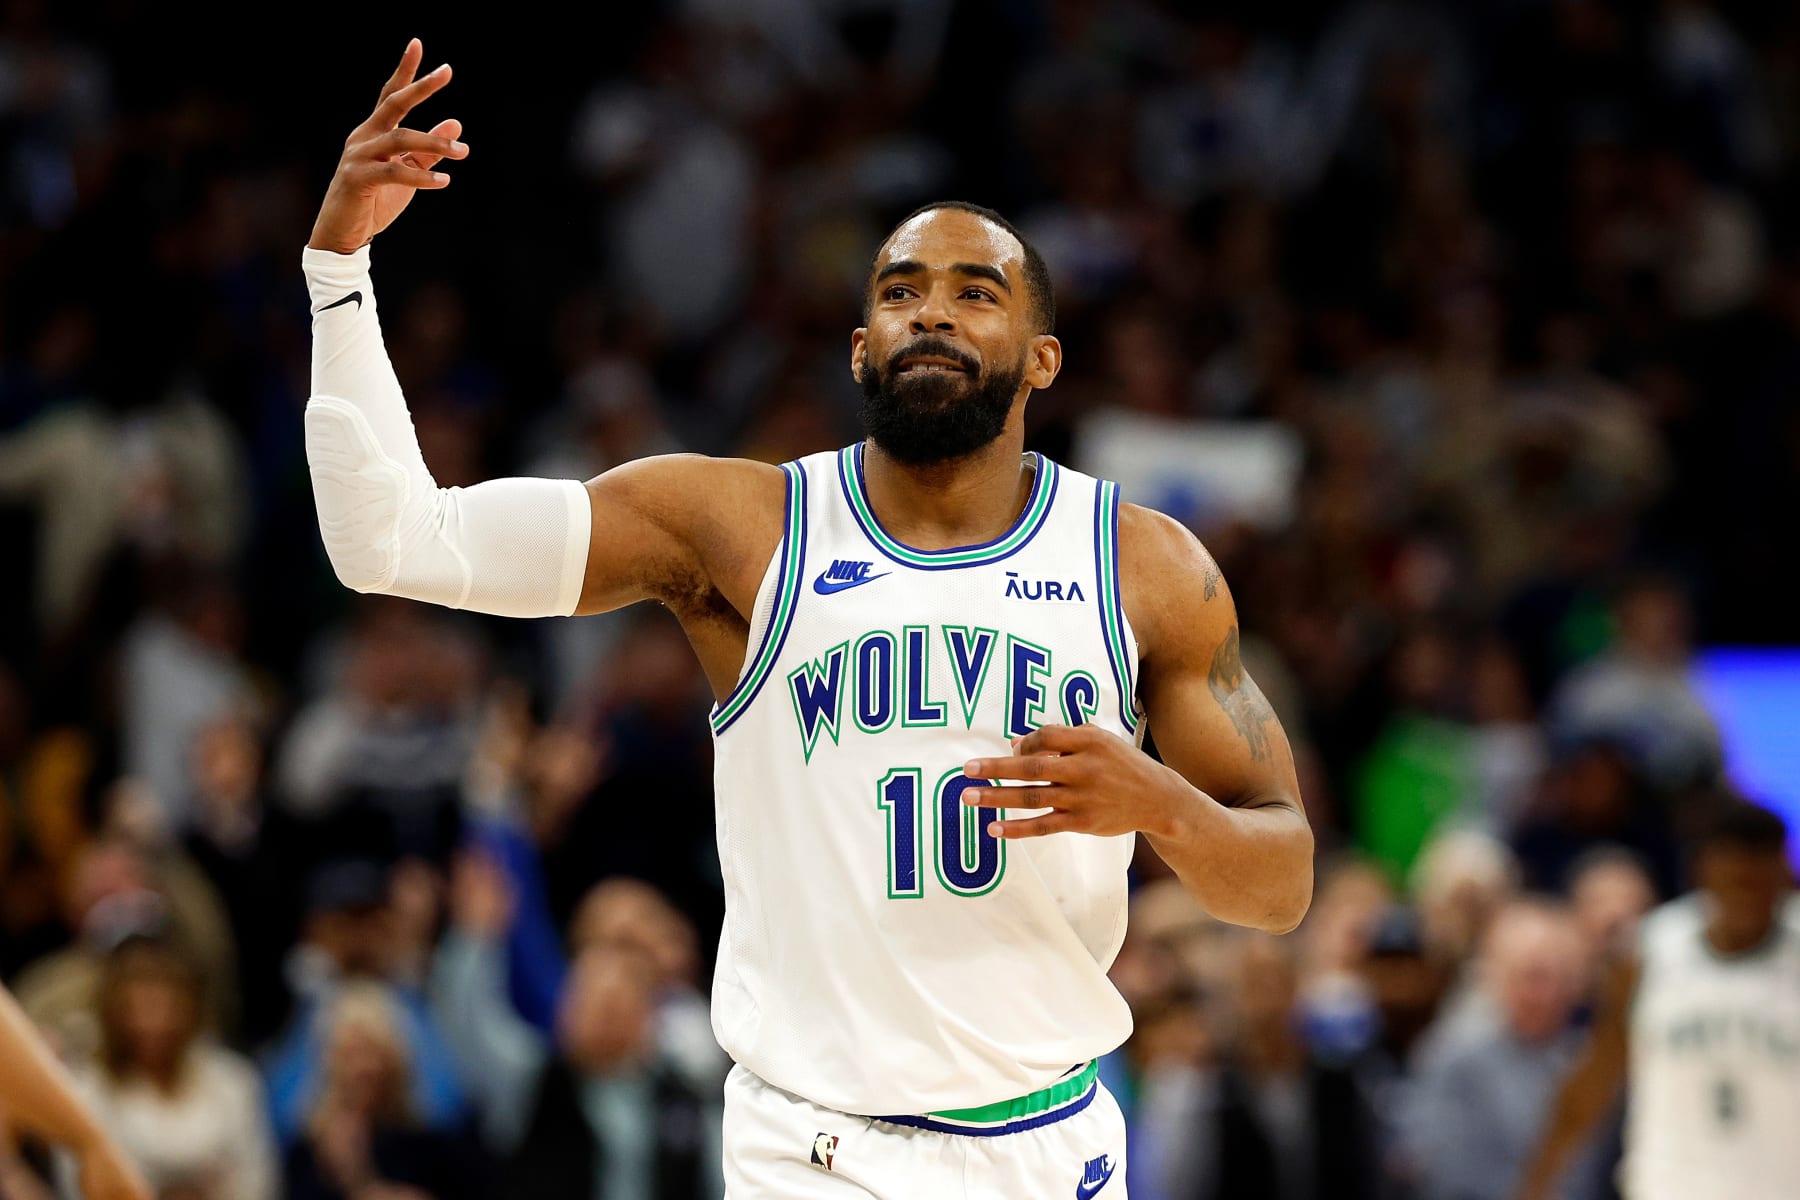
column 481, row 897
column 384, row 164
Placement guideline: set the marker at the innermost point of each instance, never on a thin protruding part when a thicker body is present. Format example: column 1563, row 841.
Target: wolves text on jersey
column 883, row 677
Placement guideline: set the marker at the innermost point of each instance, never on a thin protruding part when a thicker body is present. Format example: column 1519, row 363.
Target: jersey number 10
column 969, row 860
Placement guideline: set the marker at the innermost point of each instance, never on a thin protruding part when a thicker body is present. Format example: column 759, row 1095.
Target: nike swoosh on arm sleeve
column 512, row 547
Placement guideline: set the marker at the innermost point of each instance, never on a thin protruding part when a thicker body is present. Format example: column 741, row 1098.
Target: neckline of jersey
column 1024, row 526
column 1749, row 954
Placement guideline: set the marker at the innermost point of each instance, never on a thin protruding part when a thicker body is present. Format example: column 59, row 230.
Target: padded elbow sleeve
column 511, row 547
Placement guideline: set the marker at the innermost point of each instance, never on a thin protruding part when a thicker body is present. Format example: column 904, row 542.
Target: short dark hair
column 1037, row 274
column 1745, row 826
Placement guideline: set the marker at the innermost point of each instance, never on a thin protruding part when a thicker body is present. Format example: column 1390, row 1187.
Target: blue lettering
column 875, row 682
column 970, row 650
column 1027, row 665
column 818, row 695
column 1042, row 589
column 921, row 709
column 1080, row 698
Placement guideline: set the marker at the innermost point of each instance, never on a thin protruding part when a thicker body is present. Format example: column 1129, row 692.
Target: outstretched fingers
column 411, row 147
column 403, row 74
column 446, row 146
column 395, row 171
column 395, row 105
column 1025, row 768
column 1030, row 827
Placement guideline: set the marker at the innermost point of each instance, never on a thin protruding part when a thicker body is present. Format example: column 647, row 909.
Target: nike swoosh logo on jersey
column 825, row 587
column 356, row 296
column 1098, row 1171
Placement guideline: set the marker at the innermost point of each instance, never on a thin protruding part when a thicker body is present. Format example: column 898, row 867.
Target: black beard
column 924, row 418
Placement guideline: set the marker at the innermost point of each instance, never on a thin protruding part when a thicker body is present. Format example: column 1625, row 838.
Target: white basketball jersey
column 882, row 954
column 1714, row 1105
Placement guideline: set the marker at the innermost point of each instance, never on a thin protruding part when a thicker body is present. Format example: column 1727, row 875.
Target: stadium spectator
column 1592, row 797
column 190, row 1113
column 380, row 756
column 252, row 854
column 1639, row 693
column 629, row 914
column 1284, row 1123
column 115, row 891
column 1174, row 1078
column 362, row 1136
column 602, row 1108
column 1609, row 893
column 1483, row 1090
column 349, row 938
column 181, row 669
column 43, row 825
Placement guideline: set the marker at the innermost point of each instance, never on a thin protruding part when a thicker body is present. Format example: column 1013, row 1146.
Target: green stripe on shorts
column 1055, row 1096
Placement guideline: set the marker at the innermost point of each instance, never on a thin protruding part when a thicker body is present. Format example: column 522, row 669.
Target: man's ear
column 1043, row 361
column 859, row 352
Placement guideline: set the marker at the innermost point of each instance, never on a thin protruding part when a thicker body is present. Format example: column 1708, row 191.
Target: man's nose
column 933, row 314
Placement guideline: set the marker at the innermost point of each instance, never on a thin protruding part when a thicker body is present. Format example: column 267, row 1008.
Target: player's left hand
column 1093, row 782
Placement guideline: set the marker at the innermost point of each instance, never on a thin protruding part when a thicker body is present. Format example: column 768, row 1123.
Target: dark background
column 1521, row 277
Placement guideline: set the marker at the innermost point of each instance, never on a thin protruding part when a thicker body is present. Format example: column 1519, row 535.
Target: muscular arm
column 1591, row 1087
column 682, row 529
column 1236, row 835
column 1223, row 807
column 512, row 547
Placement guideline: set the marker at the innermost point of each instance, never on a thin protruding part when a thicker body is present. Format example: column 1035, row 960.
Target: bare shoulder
column 670, row 485
column 692, row 531
column 708, row 504
column 1173, row 592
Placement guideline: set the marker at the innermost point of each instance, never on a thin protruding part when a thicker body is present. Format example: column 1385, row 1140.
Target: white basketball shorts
column 1068, row 1140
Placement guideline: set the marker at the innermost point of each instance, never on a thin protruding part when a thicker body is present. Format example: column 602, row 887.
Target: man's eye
column 897, row 292
column 978, row 294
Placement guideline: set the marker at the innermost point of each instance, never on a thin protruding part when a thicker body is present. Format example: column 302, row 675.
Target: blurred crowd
column 330, row 896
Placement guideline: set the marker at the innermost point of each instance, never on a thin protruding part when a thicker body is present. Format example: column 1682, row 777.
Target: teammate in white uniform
column 1703, row 1022
column 912, row 972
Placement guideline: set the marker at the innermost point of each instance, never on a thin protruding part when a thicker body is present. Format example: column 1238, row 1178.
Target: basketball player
column 37, row 1093
column 903, row 636
column 1704, row 1022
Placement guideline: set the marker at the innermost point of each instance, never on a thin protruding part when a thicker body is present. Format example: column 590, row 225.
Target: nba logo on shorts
column 824, row 1147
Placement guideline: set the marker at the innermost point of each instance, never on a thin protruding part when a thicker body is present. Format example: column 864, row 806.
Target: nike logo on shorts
column 1094, row 1177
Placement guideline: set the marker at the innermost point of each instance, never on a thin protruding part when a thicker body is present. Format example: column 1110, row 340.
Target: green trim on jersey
column 1112, row 618
column 1061, row 1092
column 1036, row 509
column 787, row 592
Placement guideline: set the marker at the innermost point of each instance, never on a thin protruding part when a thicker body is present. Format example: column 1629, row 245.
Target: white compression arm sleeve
column 513, row 547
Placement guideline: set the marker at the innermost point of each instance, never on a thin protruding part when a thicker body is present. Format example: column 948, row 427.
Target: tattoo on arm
column 1239, row 696
column 1213, row 579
